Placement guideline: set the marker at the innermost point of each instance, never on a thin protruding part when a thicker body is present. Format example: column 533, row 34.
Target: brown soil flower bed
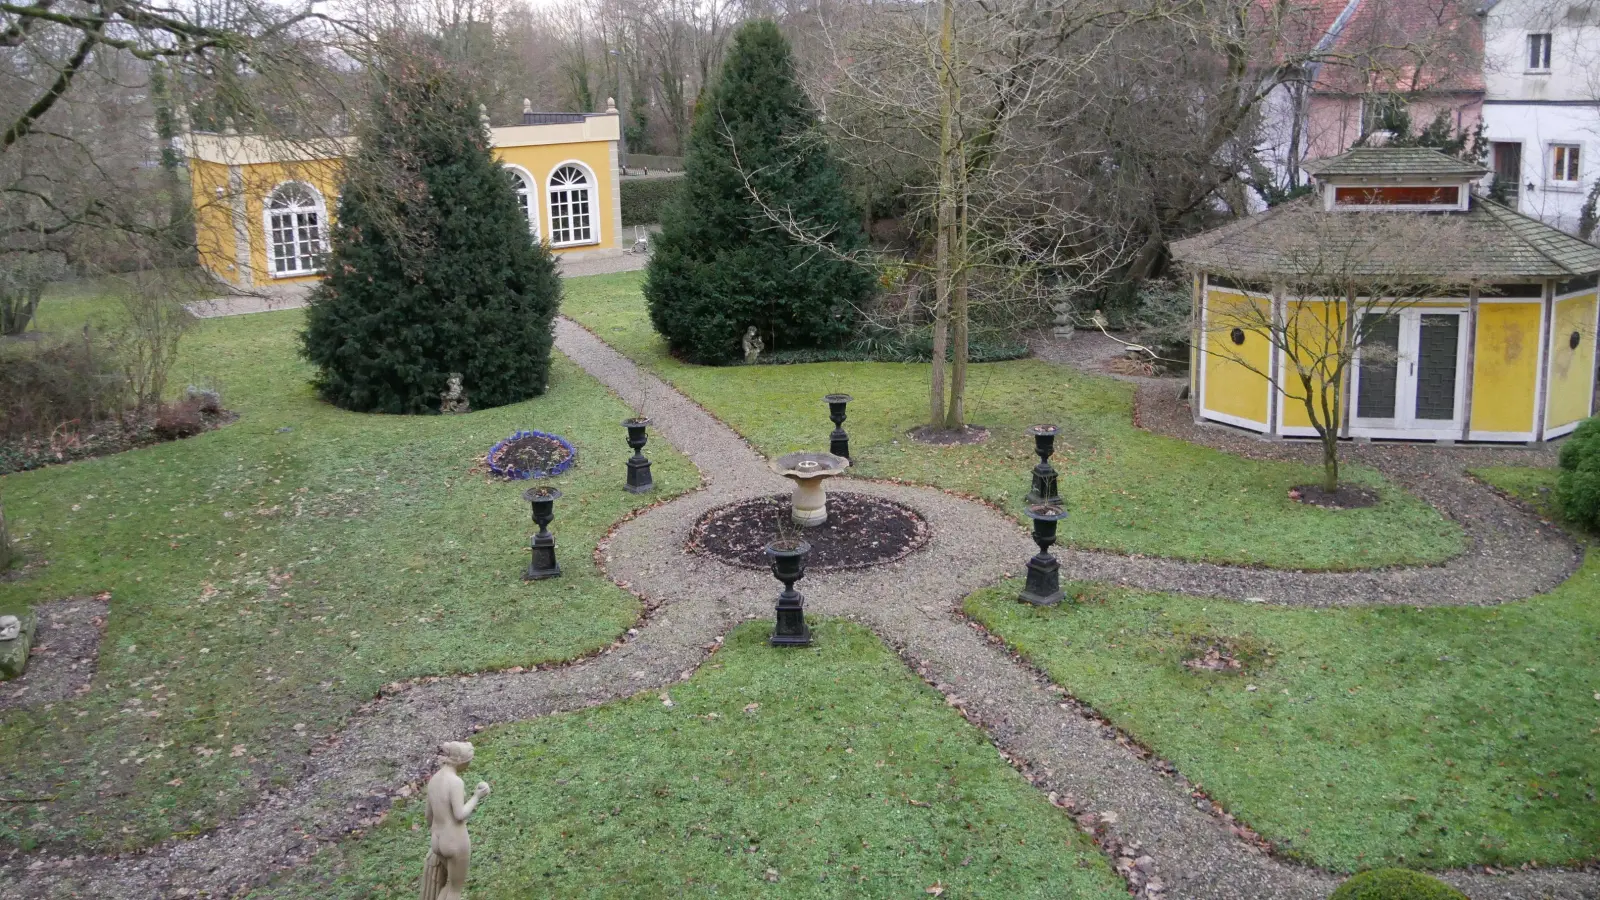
column 103, row 439
column 1344, row 497
column 949, row 437
column 861, row 531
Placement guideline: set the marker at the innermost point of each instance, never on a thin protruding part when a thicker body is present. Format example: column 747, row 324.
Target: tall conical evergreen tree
column 721, row 264
column 432, row 269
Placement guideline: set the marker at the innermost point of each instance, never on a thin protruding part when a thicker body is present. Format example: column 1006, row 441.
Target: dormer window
column 1539, row 52
column 1404, row 196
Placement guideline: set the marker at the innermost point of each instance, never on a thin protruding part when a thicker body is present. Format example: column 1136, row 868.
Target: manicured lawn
column 1436, row 738
column 278, row 572
column 772, row 774
column 1129, row 491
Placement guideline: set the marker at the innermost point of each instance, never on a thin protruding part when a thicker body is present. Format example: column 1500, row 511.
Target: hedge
column 643, row 198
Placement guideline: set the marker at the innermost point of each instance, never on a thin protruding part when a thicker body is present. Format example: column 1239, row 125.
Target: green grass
column 1129, row 491
column 768, row 765
column 1429, row 738
column 278, row 572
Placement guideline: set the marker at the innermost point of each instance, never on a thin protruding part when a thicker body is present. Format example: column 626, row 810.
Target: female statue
column 444, row 874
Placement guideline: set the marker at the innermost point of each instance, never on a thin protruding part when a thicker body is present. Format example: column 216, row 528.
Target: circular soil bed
column 861, row 531
column 531, row 454
column 949, row 437
column 1345, row 497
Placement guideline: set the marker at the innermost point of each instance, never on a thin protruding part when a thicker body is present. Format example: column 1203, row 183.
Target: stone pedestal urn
column 809, row 471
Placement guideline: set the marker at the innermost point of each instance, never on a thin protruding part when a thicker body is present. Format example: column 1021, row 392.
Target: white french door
column 1410, row 378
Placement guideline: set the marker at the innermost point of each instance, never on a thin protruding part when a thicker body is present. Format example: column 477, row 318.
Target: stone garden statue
column 444, row 874
column 752, row 346
column 454, row 398
column 10, row 627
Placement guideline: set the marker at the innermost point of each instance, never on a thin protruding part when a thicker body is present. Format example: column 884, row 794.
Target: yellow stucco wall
column 541, row 160
column 214, row 231
column 1505, row 369
column 212, row 219
column 1230, row 386
column 1571, row 370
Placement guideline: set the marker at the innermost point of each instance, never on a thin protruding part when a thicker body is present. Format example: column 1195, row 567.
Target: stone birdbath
column 809, row 471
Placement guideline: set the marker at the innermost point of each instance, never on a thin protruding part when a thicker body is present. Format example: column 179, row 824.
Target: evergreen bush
column 1394, row 884
column 1578, row 485
column 645, row 199
column 432, row 269
column 720, row 264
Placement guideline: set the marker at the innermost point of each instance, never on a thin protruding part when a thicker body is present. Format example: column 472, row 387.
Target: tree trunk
column 5, row 542
column 943, row 278
column 1330, row 460
column 956, row 416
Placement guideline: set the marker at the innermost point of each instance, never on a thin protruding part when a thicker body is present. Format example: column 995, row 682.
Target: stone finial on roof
column 527, row 106
column 227, row 125
column 483, row 115
column 611, row 104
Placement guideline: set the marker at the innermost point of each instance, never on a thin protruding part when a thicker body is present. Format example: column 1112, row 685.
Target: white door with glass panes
column 1410, row 378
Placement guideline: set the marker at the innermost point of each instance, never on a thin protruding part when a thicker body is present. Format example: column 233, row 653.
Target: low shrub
column 180, row 420
column 1578, row 485
column 644, row 198
column 1395, row 884
column 47, row 381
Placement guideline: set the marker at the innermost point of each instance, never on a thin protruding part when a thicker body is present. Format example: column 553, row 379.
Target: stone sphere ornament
column 808, row 471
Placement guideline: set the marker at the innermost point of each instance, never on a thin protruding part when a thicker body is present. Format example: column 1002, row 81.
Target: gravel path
column 1135, row 805
column 1511, row 552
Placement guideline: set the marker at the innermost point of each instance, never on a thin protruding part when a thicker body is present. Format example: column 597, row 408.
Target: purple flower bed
column 531, row 454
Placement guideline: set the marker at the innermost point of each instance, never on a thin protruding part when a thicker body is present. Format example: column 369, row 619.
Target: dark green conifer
column 432, row 268
column 721, row 264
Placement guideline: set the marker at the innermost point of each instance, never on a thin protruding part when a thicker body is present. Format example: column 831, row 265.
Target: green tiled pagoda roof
column 1384, row 162
column 1492, row 242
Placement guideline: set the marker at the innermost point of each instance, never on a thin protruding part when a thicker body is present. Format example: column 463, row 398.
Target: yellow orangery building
column 1505, row 354
column 262, row 206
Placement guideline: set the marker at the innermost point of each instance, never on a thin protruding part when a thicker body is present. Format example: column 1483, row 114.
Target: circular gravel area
column 861, row 531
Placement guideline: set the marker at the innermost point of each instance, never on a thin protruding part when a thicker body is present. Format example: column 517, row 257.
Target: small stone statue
column 752, row 346
column 454, row 398
column 10, row 627
column 444, row 873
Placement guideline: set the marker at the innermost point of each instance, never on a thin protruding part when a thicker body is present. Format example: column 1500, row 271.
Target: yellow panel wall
column 541, row 160
column 213, row 219
column 1571, row 369
column 1505, row 368
column 1316, row 328
column 1231, row 388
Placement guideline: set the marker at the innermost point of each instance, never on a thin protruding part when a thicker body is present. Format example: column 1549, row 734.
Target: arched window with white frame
column 574, row 214
column 296, row 218
column 527, row 197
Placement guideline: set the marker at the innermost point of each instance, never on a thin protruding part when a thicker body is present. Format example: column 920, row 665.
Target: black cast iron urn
column 544, row 543
column 1043, row 587
column 788, row 566
column 639, row 480
column 838, row 441
column 1044, row 489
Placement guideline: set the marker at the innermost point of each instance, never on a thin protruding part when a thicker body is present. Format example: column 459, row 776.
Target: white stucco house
column 1541, row 106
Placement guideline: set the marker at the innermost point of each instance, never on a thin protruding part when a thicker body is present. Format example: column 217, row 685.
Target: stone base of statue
column 1043, row 587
